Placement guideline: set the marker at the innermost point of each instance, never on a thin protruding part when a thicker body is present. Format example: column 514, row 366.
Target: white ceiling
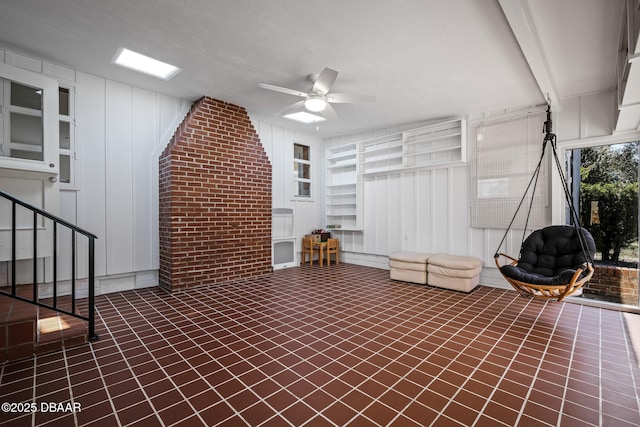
column 424, row 59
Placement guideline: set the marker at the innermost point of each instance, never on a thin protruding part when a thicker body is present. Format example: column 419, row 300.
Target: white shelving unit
column 381, row 154
column 442, row 143
column 283, row 239
column 343, row 193
column 428, row 147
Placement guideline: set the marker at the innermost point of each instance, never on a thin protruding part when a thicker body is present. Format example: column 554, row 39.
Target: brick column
column 215, row 199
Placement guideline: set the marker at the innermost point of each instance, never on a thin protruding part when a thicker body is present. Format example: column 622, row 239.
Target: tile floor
column 334, row 346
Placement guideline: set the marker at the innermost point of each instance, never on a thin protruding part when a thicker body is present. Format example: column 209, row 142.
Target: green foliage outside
column 609, row 176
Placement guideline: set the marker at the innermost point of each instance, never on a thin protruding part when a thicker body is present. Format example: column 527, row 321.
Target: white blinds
column 504, row 154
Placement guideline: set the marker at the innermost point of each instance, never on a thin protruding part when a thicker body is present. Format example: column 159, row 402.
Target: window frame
column 71, row 151
column 301, row 162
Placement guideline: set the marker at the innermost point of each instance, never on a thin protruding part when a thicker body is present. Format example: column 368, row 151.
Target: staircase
column 27, row 329
column 33, row 324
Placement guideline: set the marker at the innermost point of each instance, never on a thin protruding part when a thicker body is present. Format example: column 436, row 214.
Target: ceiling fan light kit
column 315, row 103
column 318, row 98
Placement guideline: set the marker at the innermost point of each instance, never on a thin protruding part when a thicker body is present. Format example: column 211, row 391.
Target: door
column 605, row 191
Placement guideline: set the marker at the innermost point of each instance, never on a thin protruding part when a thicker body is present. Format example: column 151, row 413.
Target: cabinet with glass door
column 28, row 125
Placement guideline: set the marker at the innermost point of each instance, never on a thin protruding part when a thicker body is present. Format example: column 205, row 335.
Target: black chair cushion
column 551, row 255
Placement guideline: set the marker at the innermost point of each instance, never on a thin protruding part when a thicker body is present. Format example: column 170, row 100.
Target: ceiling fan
column 318, row 100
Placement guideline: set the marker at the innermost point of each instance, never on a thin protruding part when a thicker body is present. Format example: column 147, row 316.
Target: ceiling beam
column 519, row 14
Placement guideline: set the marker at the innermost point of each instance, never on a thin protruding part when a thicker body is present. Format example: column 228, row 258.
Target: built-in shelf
column 283, row 241
column 432, row 146
column 381, row 154
column 342, row 207
column 426, row 147
column 342, row 194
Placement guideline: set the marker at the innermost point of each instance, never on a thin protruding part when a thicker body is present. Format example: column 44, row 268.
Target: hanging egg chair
column 555, row 261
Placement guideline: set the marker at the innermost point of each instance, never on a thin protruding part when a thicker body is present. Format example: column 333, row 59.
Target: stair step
column 27, row 329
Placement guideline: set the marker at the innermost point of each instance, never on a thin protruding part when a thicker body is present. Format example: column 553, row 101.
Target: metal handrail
column 90, row 317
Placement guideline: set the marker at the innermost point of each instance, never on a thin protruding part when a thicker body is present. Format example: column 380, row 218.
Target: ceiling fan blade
column 349, row 98
column 325, row 80
column 282, row 89
column 328, row 113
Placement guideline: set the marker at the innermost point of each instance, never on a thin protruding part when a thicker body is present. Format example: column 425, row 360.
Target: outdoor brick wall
column 215, row 199
column 619, row 284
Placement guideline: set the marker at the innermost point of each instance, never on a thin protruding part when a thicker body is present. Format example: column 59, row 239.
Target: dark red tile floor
column 334, row 346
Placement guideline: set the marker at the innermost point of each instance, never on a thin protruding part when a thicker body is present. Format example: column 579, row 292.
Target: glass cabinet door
column 25, row 122
column 29, row 129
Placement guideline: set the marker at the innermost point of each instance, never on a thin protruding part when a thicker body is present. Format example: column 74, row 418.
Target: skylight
column 144, row 64
column 304, row 117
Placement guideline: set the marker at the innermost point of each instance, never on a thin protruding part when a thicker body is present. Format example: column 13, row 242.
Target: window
column 605, row 195
column 66, row 132
column 505, row 153
column 301, row 171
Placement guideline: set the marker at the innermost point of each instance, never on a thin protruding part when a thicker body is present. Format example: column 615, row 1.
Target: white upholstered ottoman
column 409, row 267
column 459, row 273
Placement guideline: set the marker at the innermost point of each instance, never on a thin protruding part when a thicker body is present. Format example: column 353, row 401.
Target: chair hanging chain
column 550, row 138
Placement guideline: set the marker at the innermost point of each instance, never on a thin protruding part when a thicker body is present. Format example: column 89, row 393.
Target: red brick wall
column 215, row 199
column 620, row 284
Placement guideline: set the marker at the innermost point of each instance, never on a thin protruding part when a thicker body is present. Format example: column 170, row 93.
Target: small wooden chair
column 333, row 247
column 307, row 248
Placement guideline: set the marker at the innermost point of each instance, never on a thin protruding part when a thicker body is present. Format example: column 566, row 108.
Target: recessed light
column 304, row 117
column 144, row 64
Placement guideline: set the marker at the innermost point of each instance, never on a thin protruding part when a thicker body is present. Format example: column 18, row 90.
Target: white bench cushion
column 457, row 262
column 409, row 267
column 410, row 257
column 453, row 272
column 404, row 265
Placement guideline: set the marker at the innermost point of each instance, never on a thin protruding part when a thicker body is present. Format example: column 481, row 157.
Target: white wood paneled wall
column 427, row 210
column 278, row 144
column 121, row 132
column 422, row 210
column 414, row 211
